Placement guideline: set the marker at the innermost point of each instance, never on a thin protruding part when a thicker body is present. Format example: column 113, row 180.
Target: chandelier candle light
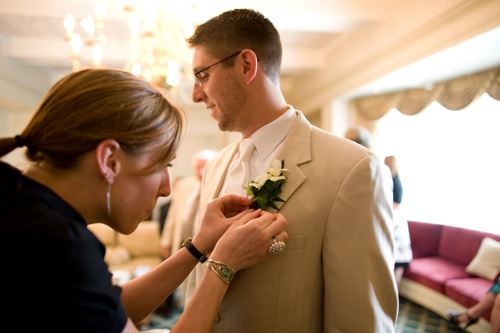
column 156, row 46
column 93, row 27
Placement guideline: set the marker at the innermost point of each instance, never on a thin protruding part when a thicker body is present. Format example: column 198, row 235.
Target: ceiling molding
column 358, row 60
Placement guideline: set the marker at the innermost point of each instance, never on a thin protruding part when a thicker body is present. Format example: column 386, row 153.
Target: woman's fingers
column 275, row 231
column 229, row 205
column 246, row 216
column 234, row 202
column 272, row 223
column 250, row 239
column 282, row 236
column 264, row 219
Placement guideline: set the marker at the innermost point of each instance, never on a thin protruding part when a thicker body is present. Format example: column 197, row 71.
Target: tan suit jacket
column 336, row 274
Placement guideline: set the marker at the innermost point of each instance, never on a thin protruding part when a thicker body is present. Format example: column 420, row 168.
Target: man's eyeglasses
column 201, row 76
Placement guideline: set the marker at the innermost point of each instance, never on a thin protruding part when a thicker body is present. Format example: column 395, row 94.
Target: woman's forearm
column 143, row 294
column 200, row 313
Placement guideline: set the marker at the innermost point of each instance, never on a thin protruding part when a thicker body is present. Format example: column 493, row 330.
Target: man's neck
column 265, row 117
column 269, row 104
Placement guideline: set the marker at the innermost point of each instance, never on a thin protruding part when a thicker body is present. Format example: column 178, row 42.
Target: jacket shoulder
column 334, row 144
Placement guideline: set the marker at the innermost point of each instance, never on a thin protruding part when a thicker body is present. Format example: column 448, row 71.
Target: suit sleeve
column 168, row 229
column 358, row 259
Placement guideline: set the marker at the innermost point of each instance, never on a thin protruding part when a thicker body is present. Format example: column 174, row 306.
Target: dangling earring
column 109, row 179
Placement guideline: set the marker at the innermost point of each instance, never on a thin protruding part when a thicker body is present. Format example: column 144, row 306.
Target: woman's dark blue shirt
column 53, row 277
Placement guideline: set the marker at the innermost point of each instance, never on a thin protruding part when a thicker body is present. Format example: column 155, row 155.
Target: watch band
column 194, row 251
column 223, row 271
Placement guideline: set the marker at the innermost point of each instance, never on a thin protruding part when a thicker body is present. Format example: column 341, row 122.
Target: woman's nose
column 164, row 190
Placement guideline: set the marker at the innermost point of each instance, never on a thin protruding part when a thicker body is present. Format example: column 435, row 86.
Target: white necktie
column 246, row 150
column 239, row 175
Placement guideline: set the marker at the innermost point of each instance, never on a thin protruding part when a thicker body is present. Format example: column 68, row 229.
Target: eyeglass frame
column 198, row 81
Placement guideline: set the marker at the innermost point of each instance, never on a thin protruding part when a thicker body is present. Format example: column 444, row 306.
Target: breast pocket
column 296, row 242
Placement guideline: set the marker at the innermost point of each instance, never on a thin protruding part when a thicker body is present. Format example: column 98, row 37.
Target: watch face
column 225, row 272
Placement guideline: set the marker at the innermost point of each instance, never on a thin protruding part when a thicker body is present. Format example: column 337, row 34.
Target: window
column 449, row 163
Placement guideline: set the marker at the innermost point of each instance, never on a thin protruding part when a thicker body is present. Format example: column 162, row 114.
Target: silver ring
column 276, row 247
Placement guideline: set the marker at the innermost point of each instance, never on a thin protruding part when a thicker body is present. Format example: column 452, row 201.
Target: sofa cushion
column 434, row 272
column 467, row 291
column 116, row 255
column 460, row 245
column 424, row 238
column 486, row 263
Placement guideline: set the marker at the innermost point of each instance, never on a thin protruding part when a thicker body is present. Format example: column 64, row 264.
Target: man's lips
column 211, row 109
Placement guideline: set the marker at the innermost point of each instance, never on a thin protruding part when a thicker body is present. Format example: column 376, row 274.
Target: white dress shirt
column 267, row 140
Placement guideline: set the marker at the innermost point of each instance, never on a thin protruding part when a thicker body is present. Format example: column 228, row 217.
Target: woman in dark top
column 100, row 143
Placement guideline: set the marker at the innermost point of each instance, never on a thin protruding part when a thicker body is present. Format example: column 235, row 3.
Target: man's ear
column 108, row 162
column 250, row 65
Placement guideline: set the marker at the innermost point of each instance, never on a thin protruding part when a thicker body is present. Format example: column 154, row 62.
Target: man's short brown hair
column 240, row 29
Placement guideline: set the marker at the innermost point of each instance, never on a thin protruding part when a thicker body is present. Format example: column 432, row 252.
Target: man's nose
column 198, row 94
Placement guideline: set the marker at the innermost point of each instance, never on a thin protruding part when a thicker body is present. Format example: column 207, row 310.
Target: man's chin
column 221, row 126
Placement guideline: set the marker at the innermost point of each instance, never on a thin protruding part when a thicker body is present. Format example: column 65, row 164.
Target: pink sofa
column 436, row 277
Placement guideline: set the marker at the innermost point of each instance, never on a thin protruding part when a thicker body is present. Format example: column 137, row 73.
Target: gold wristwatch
column 223, row 271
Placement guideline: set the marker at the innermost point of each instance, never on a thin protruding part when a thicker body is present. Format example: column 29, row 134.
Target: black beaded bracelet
column 194, row 251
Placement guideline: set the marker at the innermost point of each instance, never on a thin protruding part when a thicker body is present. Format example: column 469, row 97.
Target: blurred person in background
column 183, row 210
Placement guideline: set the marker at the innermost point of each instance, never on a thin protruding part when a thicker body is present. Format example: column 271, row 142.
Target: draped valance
column 453, row 94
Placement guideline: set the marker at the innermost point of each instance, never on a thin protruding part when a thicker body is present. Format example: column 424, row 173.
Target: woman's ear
column 108, row 162
column 250, row 65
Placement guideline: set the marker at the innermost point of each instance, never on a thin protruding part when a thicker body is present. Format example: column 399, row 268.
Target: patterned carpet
column 412, row 319
column 415, row 319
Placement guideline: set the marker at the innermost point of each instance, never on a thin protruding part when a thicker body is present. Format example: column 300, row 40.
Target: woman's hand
column 221, row 213
column 247, row 241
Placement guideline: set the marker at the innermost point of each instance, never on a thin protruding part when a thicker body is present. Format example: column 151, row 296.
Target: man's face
column 220, row 89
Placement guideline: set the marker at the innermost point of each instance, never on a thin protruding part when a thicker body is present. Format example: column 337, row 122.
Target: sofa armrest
column 144, row 241
column 105, row 234
column 425, row 238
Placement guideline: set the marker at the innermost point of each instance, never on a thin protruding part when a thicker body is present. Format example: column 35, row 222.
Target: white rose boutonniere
column 265, row 190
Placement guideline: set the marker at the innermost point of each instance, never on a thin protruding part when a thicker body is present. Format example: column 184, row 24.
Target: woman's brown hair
column 92, row 105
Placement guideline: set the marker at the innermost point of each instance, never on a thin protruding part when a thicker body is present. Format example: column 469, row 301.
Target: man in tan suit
column 336, row 273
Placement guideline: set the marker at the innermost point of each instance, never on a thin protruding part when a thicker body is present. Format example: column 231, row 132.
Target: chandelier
column 156, row 43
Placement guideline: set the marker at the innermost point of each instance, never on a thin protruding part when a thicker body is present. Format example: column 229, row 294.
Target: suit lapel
column 296, row 151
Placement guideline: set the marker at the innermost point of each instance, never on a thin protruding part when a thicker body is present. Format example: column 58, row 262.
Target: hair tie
column 19, row 141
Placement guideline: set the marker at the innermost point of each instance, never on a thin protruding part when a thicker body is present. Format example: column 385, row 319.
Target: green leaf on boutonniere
column 264, row 190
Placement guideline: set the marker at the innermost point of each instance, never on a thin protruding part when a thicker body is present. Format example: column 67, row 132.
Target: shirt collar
column 268, row 137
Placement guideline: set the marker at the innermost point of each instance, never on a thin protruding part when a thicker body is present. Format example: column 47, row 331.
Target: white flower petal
column 276, row 164
column 274, row 172
column 262, row 181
